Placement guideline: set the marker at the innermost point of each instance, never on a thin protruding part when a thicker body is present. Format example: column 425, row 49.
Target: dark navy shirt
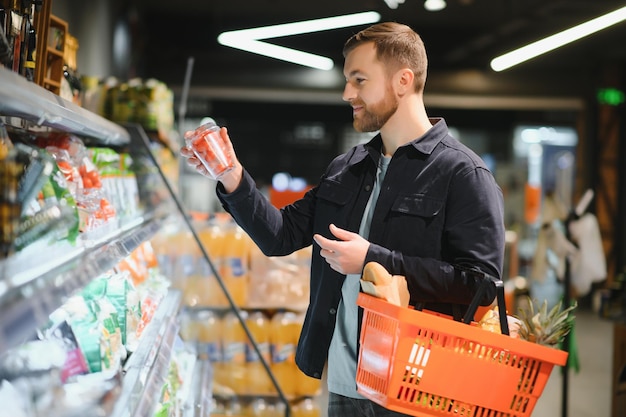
column 438, row 206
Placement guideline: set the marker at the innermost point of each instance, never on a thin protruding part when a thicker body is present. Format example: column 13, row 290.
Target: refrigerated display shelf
column 199, row 403
column 26, row 100
column 33, row 287
column 147, row 368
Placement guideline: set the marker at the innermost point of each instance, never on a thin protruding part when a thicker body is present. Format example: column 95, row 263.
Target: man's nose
column 348, row 93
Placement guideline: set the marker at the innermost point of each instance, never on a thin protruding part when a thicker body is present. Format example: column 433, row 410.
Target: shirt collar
column 429, row 140
column 424, row 144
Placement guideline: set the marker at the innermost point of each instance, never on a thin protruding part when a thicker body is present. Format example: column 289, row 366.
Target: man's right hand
column 229, row 180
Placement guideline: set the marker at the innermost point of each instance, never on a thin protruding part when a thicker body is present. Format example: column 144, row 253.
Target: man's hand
column 231, row 179
column 345, row 255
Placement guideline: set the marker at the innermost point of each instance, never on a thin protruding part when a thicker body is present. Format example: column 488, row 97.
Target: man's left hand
column 346, row 254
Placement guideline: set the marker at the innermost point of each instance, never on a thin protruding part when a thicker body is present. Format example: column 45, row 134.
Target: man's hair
column 397, row 45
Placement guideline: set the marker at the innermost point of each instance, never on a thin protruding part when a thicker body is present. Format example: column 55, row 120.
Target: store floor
column 590, row 389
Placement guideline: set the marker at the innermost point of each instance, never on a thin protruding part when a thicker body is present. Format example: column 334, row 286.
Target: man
column 413, row 199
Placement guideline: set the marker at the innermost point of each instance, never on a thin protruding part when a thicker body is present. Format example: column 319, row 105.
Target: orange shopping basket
column 426, row 364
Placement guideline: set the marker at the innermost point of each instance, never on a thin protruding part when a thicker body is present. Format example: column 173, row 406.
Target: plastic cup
column 209, row 147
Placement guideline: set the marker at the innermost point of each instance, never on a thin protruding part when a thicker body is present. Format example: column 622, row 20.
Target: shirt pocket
column 419, row 205
column 416, row 224
column 334, row 193
column 332, row 206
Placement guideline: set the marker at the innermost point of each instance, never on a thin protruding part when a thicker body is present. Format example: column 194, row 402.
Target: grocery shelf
column 27, row 100
column 38, row 279
column 147, row 368
column 199, row 403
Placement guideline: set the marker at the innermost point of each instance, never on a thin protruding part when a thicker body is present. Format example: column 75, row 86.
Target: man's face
column 368, row 89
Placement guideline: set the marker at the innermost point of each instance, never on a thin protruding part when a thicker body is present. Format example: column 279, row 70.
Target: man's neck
column 407, row 124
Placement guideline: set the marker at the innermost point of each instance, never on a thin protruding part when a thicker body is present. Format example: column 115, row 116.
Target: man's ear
column 404, row 81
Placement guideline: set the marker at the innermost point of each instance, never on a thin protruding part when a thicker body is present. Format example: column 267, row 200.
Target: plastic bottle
column 236, row 264
column 279, row 409
column 234, row 347
column 259, row 407
column 210, row 149
column 283, row 348
column 186, row 272
column 306, row 407
column 234, row 407
column 209, row 325
column 259, row 382
column 305, row 385
column 212, row 238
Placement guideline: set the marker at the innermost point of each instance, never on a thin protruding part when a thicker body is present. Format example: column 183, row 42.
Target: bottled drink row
column 252, row 279
column 18, row 37
column 261, row 407
column 237, row 367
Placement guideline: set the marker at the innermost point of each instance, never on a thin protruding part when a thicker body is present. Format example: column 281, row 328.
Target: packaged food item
column 75, row 363
column 209, row 147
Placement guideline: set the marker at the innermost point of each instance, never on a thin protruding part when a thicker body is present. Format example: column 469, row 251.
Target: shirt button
column 332, row 311
column 368, row 188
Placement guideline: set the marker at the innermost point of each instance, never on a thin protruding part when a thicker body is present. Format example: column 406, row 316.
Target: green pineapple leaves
column 545, row 327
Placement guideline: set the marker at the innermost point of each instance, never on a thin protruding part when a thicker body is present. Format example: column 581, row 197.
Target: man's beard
column 373, row 118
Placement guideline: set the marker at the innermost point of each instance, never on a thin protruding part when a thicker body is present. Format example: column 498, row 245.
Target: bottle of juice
column 210, row 337
column 186, row 274
column 259, row 382
column 259, row 407
column 234, row 341
column 236, row 264
column 283, row 349
column 212, row 238
column 306, row 407
column 305, row 385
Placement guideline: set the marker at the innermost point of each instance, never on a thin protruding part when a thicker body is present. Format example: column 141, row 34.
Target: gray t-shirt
column 342, row 355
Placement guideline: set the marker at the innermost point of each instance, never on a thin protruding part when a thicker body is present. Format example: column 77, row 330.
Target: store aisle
column 590, row 389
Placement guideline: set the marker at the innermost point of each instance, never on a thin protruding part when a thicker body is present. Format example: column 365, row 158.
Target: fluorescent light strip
column 557, row 40
column 280, row 52
column 250, row 39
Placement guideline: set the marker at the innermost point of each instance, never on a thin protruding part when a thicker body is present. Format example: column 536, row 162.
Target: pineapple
column 543, row 327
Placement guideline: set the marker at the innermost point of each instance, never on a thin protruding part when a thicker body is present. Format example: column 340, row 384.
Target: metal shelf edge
column 27, row 100
column 142, row 369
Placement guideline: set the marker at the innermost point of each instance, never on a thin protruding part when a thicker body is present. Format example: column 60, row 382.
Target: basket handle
column 485, row 282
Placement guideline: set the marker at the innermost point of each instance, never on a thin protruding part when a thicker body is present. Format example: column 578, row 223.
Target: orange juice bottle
column 259, row 382
column 283, row 349
column 234, row 341
column 183, row 253
column 212, row 238
column 305, row 385
column 189, row 330
column 236, row 266
column 259, row 407
column 306, row 408
column 209, row 325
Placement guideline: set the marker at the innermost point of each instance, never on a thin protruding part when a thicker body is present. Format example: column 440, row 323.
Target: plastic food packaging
column 209, row 147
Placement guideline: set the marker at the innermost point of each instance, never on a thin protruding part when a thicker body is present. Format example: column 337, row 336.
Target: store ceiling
column 461, row 40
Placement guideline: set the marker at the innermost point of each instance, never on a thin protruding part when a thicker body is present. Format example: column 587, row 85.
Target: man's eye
column 360, row 80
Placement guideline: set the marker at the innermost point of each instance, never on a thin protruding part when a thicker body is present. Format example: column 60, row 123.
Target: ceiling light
column 434, row 5
column 250, row 40
column 393, row 4
column 557, row 40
